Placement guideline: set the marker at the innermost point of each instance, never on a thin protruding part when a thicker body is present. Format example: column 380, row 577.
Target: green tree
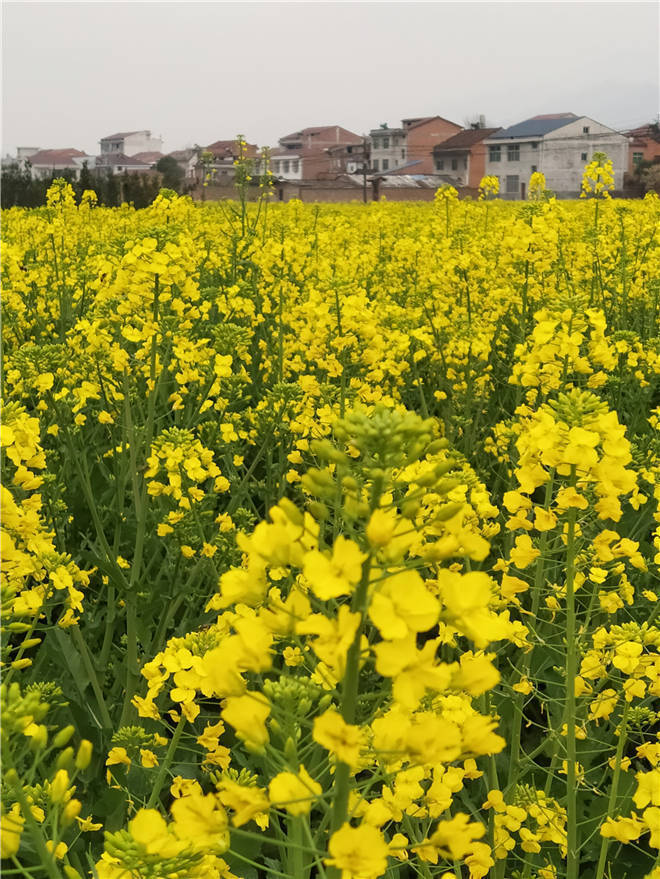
column 172, row 173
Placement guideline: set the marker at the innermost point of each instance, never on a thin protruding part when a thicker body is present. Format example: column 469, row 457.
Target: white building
column 128, row 143
column 45, row 163
column 557, row 144
column 388, row 148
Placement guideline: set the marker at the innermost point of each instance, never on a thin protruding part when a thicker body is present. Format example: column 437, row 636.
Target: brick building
column 409, row 149
column 463, row 156
column 644, row 145
column 313, row 153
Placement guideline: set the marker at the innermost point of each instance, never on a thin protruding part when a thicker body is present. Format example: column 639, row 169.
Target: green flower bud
column 63, row 736
column 84, row 755
column 447, row 511
column 65, row 759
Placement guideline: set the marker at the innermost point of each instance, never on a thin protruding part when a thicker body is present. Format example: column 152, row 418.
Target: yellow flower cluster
column 339, row 528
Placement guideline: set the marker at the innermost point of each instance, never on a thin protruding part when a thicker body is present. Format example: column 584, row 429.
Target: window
column 495, row 153
column 585, row 130
column 583, row 156
column 375, row 164
column 349, row 149
column 386, row 143
column 512, row 184
column 454, row 164
column 386, row 164
column 295, row 165
column 396, row 163
column 403, row 154
column 286, row 166
column 513, row 152
column 535, row 145
column 439, row 164
column 465, row 163
column 376, row 143
column 637, row 158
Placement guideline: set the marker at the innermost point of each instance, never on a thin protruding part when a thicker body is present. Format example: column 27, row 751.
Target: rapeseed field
column 330, row 538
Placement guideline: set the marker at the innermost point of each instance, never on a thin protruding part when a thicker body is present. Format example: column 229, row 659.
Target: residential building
column 388, row 148
column 225, row 153
column 314, row 153
column 644, row 145
column 24, row 153
column 557, row 144
column 149, row 157
column 318, row 138
column 131, row 142
column 43, row 163
column 117, row 163
column 409, row 149
column 463, row 156
column 187, row 160
column 422, row 136
column 349, row 158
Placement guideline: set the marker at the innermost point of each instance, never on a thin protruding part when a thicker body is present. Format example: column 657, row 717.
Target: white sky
column 200, row 72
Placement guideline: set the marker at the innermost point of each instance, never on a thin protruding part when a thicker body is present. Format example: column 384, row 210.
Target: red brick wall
column 477, row 164
column 423, row 137
column 649, row 147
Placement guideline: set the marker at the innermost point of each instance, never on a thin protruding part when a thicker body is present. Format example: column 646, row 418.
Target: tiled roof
column 645, row 132
column 345, row 135
column 415, row 123
column 55, row 157
column 537, row 126
column 229, row 148
column 149, row 156
column 465, row 139
column 182, row 155
column 122, row 134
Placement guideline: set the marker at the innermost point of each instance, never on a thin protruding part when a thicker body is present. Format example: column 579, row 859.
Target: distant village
column 409, row 161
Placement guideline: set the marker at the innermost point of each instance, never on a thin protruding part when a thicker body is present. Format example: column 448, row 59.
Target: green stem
column 573, row 854
column 47, row 859
column 294, row 850
column 611, row 804
column 167, row 762
column 349, row 699
column 514, row 754
column 351, row 685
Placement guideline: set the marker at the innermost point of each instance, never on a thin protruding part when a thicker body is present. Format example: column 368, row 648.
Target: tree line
column 20, row 189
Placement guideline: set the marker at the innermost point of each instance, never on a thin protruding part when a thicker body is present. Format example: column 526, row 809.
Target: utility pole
column 365, row 165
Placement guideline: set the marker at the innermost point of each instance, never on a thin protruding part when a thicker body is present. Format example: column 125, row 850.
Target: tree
column 85, row 181
column 172, row 173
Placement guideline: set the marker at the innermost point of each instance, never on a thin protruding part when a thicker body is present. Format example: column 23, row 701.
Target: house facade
column 187, row 160
column 557, row 144
column 409, row 149
column 44, row 163
column 388, row 148
column 463, row 156
column 313, row 153
column 644, row 145
column 129, row 143
column 118, row 163
column 349, row 158
column 225, row 153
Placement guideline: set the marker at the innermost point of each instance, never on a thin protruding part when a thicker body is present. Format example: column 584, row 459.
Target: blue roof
column 537, row 126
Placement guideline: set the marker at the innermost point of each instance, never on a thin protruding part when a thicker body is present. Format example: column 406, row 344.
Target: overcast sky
column 200, row 72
